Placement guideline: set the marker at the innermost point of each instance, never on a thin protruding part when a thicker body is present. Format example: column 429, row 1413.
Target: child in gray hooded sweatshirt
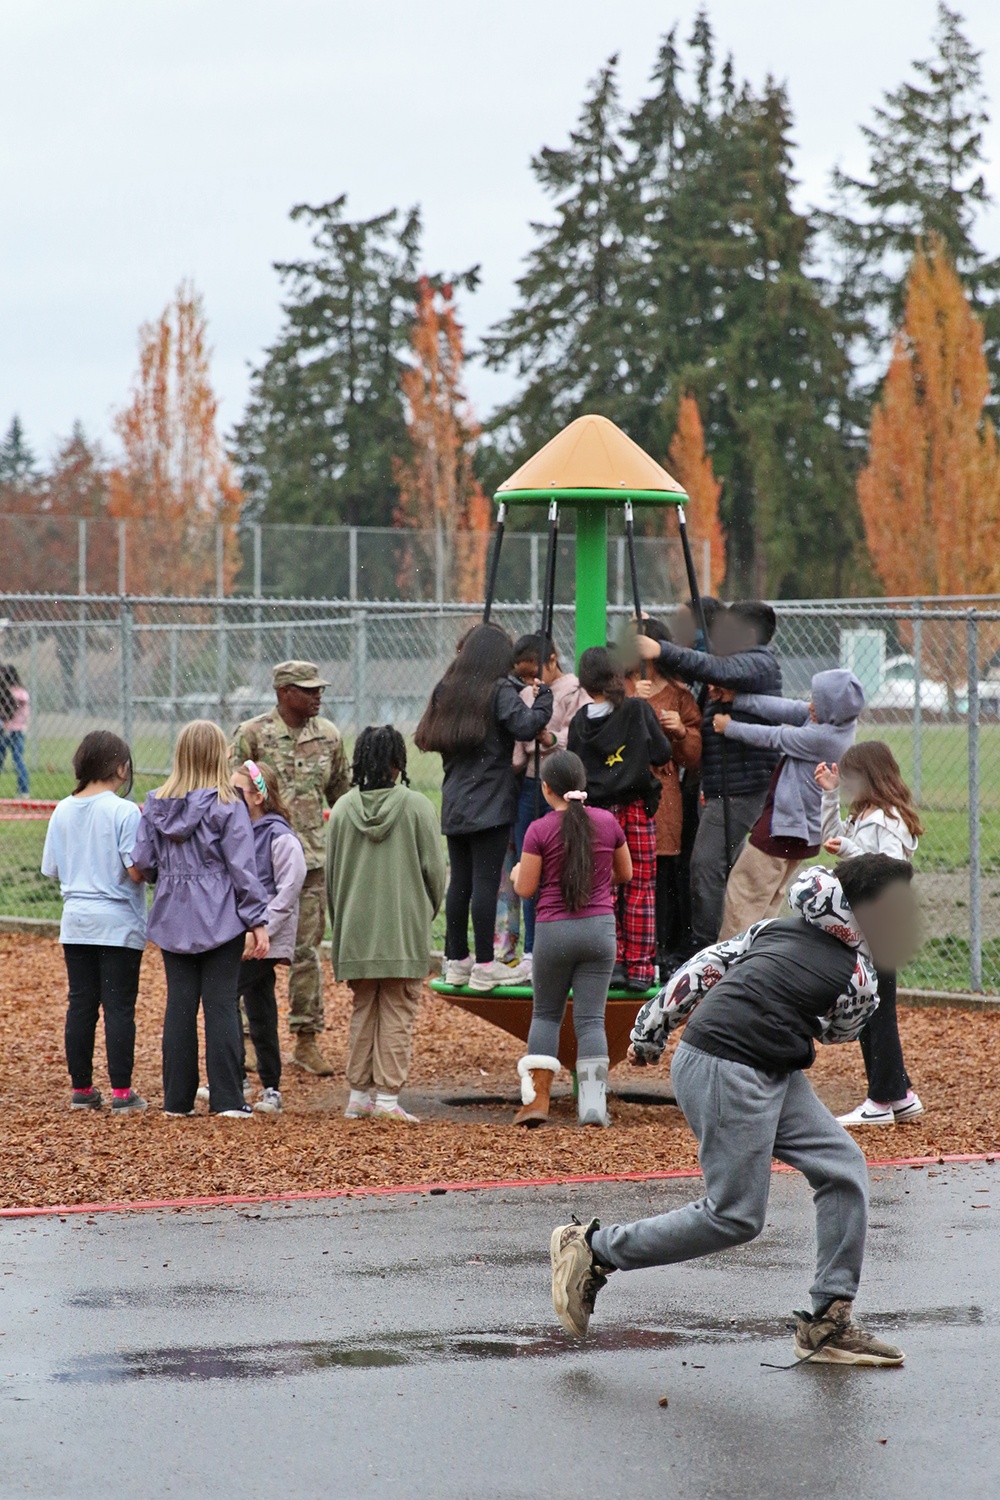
column 789, row 827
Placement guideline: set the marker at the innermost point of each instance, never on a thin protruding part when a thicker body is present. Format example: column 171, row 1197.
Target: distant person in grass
column 209, row 912
column 385, row 880
column 15, row 712
column 88, row 849
column 308, row 755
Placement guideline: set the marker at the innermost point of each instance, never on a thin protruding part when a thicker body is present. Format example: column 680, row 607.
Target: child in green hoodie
column 385, row 879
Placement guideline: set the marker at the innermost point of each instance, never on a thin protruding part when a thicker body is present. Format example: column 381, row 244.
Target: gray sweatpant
column 708, row 861
column 579, row 954
column 742, row 1118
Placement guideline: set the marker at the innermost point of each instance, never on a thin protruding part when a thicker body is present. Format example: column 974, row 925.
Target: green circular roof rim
column 619, row 496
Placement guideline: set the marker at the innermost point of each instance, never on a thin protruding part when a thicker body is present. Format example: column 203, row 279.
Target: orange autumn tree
column 175, row 476
column 929, row 494
column 693, row 467
column 438, row 491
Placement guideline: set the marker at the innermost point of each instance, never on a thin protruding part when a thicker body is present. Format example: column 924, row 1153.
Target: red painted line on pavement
column 319, row 1195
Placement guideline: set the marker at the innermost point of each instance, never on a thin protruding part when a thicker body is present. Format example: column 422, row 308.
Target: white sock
column 386, row 1101
column 360, row 1096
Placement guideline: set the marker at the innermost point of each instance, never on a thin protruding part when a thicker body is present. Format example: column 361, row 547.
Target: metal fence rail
column 146, row 665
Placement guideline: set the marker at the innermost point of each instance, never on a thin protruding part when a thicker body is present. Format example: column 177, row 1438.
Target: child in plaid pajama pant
column 619, row 739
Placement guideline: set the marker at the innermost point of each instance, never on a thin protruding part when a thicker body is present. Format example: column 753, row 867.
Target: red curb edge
column 319, row 1195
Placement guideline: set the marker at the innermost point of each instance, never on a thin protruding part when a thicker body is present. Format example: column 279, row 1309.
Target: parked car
column 898, row 690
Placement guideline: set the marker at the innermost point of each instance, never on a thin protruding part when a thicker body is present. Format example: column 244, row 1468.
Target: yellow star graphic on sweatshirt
column 615, row 758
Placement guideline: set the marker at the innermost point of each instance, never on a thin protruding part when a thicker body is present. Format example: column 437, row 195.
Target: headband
column 574, row 796
column 254, row 772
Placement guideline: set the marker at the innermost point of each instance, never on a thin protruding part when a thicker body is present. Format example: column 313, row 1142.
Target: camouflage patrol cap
column 303, row 674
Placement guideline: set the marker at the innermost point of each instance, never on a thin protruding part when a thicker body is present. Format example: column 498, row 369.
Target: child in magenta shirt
column 571, row 860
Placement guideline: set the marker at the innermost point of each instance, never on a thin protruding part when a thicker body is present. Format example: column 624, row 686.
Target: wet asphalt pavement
column 406, row 1347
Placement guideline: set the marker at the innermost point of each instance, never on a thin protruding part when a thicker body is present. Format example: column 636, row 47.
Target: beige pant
column 756, row 889
column 378, row 1049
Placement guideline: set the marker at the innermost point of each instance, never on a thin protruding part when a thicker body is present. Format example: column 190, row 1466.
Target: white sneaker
column 908, row 1108
column 246, row 1113
column 269, row 1103
column 386, row 1109
column 457, row 971
column 494, row 976
column 868, row 1114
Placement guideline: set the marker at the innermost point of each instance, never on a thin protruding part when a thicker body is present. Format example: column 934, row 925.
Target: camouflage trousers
column 305, row 982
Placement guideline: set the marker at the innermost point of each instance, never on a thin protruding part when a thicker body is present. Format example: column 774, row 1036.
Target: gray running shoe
column 128, row 1104
column 92, row 1100
column 833, row 1338
column 576, row 1276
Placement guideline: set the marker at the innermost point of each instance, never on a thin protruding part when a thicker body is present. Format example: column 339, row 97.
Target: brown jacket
column 687, row 753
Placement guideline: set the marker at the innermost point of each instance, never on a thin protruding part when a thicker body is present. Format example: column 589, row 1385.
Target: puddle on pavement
column 269, row 1361
column 193, row 1294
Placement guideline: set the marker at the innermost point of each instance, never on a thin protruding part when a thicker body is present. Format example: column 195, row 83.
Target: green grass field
column 942, row 964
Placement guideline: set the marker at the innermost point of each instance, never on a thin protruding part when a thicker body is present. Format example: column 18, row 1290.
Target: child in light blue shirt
column 88, row 849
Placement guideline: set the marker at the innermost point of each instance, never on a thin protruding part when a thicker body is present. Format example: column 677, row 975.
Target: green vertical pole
column 591, row 577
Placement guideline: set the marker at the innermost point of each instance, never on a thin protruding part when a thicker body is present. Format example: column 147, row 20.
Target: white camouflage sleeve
column 677, row 999
column 844, row 1022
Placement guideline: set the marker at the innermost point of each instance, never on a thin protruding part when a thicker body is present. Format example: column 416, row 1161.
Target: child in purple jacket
column 195, row 841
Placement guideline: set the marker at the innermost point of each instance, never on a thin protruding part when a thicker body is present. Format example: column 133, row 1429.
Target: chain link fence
column 144, row 666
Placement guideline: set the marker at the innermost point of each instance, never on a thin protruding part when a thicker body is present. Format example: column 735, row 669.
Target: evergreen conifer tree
column 18, row 465
column 924, row 179
column 325, row 417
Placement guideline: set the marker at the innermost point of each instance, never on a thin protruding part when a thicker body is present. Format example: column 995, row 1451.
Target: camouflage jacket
column 312, row 768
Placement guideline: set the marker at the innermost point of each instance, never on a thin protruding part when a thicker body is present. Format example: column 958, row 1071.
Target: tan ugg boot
column 537, row 1075
column 308, row 1056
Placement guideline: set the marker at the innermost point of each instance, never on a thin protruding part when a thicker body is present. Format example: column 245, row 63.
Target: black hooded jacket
column 618, row 751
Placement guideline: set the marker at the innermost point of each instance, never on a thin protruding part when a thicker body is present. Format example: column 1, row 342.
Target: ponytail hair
column 564, row 774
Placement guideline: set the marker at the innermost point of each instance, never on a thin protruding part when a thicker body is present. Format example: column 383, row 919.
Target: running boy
column 766, row 997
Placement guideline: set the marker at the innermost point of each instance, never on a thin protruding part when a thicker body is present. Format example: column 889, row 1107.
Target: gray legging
column 577, row 953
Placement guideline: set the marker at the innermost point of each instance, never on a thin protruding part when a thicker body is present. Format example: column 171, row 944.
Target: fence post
column 81, row 638
column 359, row 653
column 352, row 562
column 706, row 566
column 620, row 570
column 258, row 590
column 174, row 632
column 33, row 751
column 918, row 707
column 220, row 560
column 222, row 663
column 122, row 572
column 975, row 858
column 536, row 598
column 126, row 623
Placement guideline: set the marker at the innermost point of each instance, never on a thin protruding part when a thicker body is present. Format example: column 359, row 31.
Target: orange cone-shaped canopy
column 592, row 455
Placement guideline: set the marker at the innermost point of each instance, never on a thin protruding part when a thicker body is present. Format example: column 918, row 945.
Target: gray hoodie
column 837, row 700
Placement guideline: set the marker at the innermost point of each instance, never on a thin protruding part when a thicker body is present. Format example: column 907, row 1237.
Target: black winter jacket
column 750, row 766
column 617, row 752
column 480, row 787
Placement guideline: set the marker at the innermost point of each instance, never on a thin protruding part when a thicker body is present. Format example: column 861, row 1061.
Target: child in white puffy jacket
column 881, row 819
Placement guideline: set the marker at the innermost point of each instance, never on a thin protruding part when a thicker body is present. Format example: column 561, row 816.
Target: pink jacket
column 19, row 718
column 567, row 697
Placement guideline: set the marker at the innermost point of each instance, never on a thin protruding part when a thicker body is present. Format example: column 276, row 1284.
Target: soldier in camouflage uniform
column 308, row 755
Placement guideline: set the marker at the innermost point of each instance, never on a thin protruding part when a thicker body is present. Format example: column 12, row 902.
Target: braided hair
column 378, row 752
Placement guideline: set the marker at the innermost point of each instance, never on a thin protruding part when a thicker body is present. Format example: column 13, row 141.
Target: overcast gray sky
column 142, row 141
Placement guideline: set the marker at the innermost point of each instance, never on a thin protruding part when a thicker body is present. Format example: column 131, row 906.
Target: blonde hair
column 201, row 762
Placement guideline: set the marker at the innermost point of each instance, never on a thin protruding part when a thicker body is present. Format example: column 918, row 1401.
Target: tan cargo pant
column 378, row 1050
column 305, row 982
column 755, row 890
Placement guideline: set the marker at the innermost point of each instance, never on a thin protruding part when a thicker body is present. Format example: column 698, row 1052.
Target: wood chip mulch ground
column 51, row 1155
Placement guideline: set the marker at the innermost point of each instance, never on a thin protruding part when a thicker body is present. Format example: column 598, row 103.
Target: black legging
column 881, row 1048
column 212, row 979
column 261, row 1005
column 101, row 978
column 476, row 861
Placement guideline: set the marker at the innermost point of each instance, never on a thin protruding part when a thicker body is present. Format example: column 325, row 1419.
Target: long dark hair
column 564, row 773
column 97, row 758
column 378, row 752
column 460, row 712
column 601, row 672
